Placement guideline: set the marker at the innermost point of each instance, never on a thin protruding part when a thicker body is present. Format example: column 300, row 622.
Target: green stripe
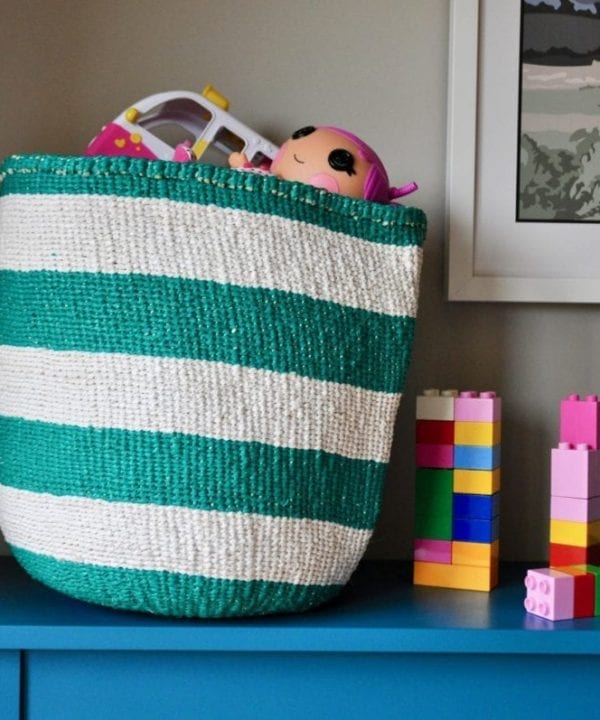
column 166, row 593
column 175, row 317
column 207, row 184
column 189, row 471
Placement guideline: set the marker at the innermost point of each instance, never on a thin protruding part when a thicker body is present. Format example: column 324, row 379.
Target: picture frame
column 490, row 255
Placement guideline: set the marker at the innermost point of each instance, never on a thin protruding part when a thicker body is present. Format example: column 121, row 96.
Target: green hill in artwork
column 560, row 183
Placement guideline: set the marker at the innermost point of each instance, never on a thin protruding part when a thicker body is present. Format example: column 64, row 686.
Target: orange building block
column 456, row 577
column 475, row 554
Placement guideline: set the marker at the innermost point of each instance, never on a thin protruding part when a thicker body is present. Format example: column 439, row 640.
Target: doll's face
column 322, row 158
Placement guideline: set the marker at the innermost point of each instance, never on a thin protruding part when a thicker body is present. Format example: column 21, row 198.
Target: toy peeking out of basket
column 335, row 160
column 181, row 126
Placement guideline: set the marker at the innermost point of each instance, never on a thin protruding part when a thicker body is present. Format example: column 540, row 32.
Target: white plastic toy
column 195, row 122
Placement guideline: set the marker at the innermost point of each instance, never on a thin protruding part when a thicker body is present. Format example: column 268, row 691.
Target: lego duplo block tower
column 575, row 484
column 457, row 489
column 570, row 587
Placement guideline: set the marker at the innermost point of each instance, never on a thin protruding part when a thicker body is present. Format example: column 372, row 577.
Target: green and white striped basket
column 199, row 375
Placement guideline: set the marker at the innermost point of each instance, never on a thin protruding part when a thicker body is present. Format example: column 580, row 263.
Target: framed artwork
column 523, row 202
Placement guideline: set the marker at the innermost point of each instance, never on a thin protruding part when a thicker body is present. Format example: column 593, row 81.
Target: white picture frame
column 491, row 256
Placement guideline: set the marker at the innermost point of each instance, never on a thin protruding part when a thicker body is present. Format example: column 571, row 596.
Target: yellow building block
column 579, row 534
column 456, row 577
column 476, row 482
column 475, row 554
column 476, row 433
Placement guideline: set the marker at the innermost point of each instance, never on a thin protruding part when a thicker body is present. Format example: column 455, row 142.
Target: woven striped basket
column 199, row 375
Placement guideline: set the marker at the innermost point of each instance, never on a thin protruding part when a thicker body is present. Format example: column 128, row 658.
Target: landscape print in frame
column 559, row 117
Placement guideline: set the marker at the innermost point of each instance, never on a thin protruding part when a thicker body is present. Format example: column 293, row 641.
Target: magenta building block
column 438, row 551
column 550, row 594
column 430, row 455
column 580, row 420
column 575, row 471
column 470, row 406
column 575, row 509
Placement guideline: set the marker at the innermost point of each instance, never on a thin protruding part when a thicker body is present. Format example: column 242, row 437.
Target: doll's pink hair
column 377, row 184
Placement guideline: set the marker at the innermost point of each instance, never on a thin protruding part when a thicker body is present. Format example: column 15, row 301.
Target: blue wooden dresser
column 384, row 649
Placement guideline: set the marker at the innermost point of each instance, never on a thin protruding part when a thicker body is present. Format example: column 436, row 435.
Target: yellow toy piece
column 199, row 148
column 476, row 433
column 477, row 482
column 456, row 577
column 579, row 534
column 475, row 554
column 132, row 114
column 211, row 93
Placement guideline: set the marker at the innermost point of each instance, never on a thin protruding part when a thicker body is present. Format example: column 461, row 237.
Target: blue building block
column 471, row 530
column 475, row 457
column 476, row 507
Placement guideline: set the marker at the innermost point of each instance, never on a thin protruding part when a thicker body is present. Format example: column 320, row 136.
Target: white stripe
column 138, row 392
column 94, row 233
column 175, row 539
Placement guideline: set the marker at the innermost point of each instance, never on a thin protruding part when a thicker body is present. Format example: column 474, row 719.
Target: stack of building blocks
column 457, row 489
column 575, row 484
column 567, row 589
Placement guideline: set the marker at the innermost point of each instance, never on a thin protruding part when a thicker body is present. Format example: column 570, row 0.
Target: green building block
column 433, row 504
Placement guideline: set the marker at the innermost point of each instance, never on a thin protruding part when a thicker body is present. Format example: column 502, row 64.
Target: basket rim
column 200, row 182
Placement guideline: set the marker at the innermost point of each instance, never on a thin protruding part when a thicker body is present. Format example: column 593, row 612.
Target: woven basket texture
column 200, row 371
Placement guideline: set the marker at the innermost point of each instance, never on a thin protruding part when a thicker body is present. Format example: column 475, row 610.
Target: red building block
column 595, row 571
column 580, row 420
column 584, row 602
column 439, row 432
column 571, row 555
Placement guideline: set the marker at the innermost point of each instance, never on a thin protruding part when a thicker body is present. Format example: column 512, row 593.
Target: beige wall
column 378, row 68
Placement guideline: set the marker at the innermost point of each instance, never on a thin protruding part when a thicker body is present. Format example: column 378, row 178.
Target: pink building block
column 550, row 594
column 580, row 420
column 430, row 455
column 575, row 471
column 470, row 406
column 575, row 509
column 438, row 551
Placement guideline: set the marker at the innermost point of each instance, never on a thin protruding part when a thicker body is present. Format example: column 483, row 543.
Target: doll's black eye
column 303, row 132
column 342, row 160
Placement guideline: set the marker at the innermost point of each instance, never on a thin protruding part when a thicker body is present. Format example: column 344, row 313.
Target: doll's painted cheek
column 322, row 180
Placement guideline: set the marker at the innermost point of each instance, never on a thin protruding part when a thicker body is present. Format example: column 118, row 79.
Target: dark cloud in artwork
column 561, row 32
column 554, row 4
column 568, row 7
